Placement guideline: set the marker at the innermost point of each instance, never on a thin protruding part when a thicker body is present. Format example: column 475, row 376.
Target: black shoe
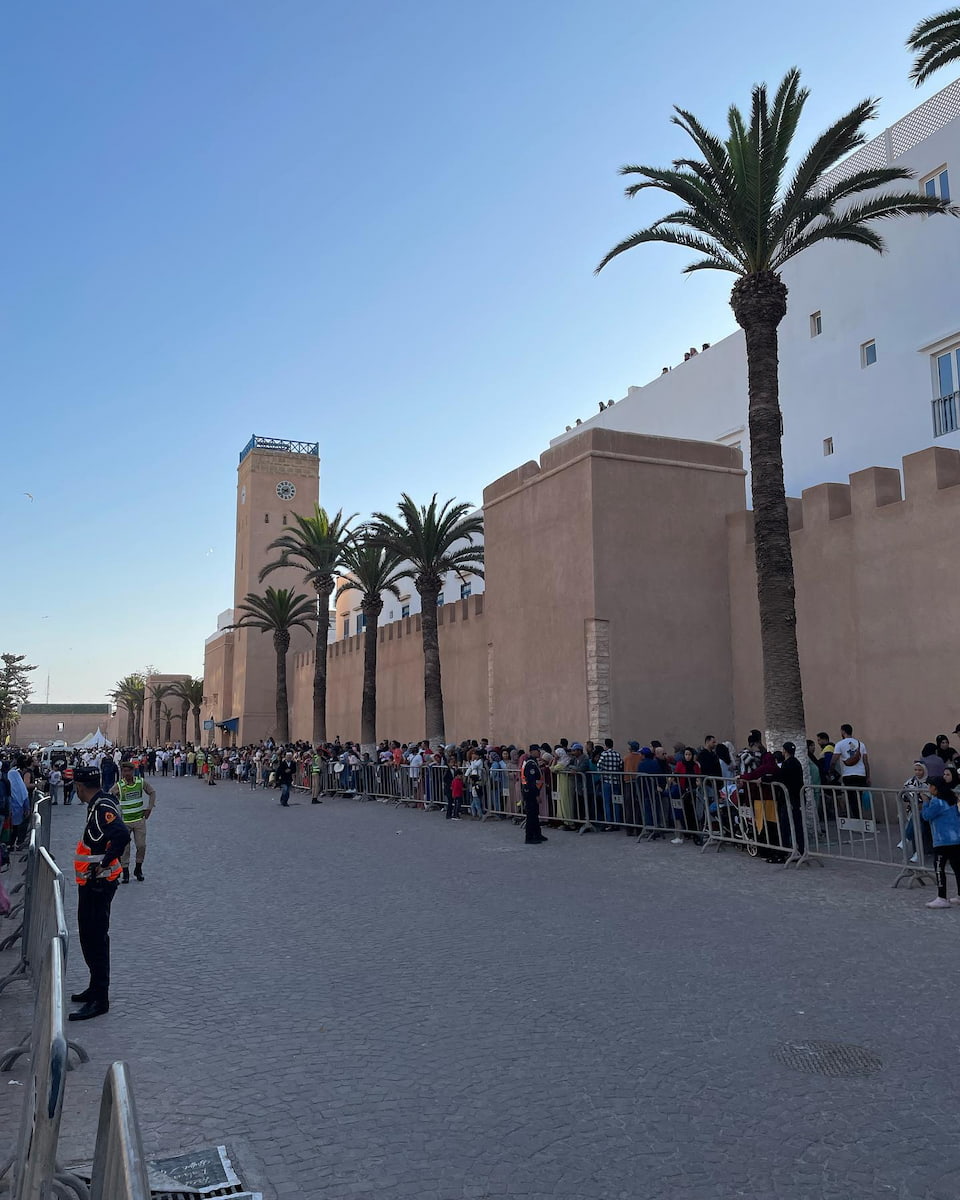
column 81, row 997
column 92, row 1008
column 126, row 874
column 316, row 801
column 138, row 872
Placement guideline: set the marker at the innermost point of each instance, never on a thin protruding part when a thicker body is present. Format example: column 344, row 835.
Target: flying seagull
column 28, row 495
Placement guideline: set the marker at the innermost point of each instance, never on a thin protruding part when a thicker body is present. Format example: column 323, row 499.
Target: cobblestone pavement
column 370, row 1002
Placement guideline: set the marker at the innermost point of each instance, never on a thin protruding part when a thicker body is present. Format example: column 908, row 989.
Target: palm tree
column 372, row 571
column 190, row 693
column 315, row 544
column 278, row 611
column 155, row 693
column 129, row 691
column 743, row 214
column 168, row 716
column 935, row 42
column 427, row 538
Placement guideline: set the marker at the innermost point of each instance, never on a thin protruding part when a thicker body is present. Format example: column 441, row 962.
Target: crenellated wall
column 621, row 600
column 877, row 607
column 400, row 713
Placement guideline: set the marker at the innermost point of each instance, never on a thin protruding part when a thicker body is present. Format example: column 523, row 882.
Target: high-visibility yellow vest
column 131, row 800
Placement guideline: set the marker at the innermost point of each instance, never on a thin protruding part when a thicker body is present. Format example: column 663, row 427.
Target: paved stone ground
column 370, row 1002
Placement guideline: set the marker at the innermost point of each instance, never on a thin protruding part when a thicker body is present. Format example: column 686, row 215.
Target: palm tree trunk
column 166, row 728
column 156, row 723
column 281, row 642
column 185, row 712
column 129, row 724
column 759, row 303
column 432, row 685
column 197, row 735
column 368, row 704
column 320, row 665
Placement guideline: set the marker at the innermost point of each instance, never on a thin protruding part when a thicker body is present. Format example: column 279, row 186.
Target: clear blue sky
column 370, row 224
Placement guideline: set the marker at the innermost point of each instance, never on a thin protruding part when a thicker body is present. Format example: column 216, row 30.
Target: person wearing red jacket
column 685, row 774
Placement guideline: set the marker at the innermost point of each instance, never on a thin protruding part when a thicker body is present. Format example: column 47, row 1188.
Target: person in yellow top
column 137, row 799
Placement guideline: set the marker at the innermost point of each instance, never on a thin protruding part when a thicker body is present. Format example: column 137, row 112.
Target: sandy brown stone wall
column 877, row 608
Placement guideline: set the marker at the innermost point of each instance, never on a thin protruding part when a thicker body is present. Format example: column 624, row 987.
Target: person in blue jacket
column 940, row 809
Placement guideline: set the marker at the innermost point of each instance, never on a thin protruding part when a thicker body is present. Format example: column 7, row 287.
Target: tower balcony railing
column 945, row 412
column 282, row 444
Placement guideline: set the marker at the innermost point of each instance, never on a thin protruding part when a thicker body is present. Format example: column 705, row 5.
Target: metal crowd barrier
column 43, row 915
column 875, row 826
column 756, row 816
column 34, row 1162
column 119, row 1164
column 27, row 886
column 827, row 822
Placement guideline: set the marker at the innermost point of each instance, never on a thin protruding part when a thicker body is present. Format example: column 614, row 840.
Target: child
column 940, row 809
column 456, row 796
column 476, row 797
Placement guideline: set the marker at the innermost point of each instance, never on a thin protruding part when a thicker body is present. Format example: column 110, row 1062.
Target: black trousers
column 93, row 922
column 944, row 856
column 531, row 809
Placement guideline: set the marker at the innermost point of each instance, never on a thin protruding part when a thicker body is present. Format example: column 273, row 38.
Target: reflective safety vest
column 84, row 858
column 316, row 764
column 131, row 800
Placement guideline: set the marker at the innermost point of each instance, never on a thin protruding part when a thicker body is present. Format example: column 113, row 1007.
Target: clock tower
column 275, row 479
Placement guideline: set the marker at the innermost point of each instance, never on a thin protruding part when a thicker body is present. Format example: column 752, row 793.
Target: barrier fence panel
column 47, row 921
column 866, row 825
column 20, row 933
column 878, row 826
column 35, row 1159
column 119, row 1164
column 44, row 810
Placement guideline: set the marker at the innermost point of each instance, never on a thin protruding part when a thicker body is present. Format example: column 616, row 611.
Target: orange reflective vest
column 84, row 857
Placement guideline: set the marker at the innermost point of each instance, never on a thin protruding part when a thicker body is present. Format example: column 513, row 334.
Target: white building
column 870, row 345
column 348, row 619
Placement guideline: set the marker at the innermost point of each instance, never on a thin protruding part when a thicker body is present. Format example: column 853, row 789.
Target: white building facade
column 870, row 345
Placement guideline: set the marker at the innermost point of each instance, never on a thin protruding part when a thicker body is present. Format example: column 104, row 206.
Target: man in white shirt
column 851, row 762
column 416, row 763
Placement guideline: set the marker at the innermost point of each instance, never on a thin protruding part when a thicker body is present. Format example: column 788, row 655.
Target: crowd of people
column 677, row 793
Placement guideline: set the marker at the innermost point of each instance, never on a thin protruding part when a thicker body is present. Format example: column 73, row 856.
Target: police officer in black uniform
column 531, row 783
column 97, row 867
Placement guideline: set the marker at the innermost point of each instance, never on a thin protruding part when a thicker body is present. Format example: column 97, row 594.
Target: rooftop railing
column 909, row 131
column 285, row 445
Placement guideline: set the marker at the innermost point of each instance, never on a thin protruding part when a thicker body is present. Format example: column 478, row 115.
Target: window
column 404, row 611
column 828, row 445
column 465, row 590
column 346, row 626
column 440, row 600
column 937, row 183
column 816, row 324
column 868, row 354
column 946, row 391
column 361, row 622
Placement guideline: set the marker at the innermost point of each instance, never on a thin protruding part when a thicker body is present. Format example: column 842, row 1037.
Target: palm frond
column 744, row 212
column 853, row 224
column 935, row 42
column 674, row 237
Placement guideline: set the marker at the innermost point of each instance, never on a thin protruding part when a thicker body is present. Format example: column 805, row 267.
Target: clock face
column 286, row 490
column 243, row 494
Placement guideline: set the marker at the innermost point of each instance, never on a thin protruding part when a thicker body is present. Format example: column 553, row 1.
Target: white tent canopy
column 93, row 741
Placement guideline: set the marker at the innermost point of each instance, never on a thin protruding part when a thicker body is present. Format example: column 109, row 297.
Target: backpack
column 854, row 757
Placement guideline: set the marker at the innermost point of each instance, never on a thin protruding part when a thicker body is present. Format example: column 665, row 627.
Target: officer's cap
column 88, row 776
